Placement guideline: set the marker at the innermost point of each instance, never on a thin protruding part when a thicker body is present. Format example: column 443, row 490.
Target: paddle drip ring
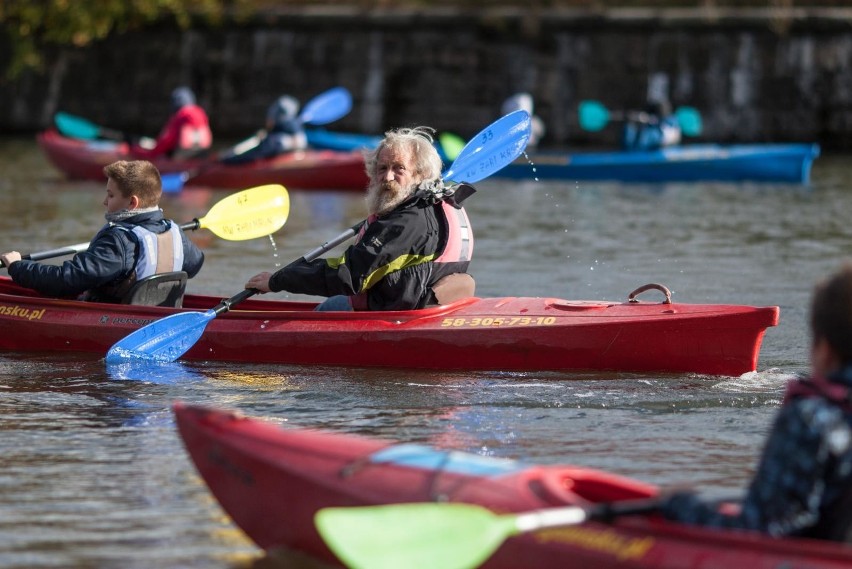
column 651, row 286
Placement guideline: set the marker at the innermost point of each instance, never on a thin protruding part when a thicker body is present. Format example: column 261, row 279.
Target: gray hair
column 419, row 141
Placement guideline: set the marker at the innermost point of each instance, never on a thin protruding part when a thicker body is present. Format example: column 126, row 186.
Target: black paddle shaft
column 226, row 304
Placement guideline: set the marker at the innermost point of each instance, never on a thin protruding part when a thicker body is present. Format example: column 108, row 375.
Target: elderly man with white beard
column 413, row 250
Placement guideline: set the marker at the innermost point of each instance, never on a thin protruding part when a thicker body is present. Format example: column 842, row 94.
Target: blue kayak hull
column 787, row 163
column 346, row 141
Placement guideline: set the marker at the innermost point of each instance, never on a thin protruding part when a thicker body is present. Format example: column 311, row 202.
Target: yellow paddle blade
column 249, row 214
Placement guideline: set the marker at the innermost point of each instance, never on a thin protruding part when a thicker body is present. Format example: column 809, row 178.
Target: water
column 94, row 475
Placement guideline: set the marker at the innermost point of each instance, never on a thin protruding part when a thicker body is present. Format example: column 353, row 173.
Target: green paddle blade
column 249, row 214
column 690, row 121
column 414, row 536
column 451, row 144
column 593, row 115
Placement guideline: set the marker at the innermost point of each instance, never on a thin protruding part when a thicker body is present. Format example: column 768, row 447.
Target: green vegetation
column 32, row 27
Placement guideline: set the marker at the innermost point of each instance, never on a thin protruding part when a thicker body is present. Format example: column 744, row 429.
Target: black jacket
column 392, row 264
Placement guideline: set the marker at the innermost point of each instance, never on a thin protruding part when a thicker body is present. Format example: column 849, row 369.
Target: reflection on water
column 95, row 475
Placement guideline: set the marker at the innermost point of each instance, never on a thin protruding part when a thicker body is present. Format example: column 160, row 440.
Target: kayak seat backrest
column 452, row 288
column 163, row 289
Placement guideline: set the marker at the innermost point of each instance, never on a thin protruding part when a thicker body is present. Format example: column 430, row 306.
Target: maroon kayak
column 503, row 333
column 307, row 169
column 272, row 481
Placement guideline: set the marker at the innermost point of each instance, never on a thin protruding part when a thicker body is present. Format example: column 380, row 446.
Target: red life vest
column 459, row 246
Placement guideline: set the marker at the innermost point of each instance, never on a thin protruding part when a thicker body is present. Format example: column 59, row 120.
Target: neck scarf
column 125, row 214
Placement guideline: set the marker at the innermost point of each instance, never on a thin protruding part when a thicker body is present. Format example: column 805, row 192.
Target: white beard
column 382, row 198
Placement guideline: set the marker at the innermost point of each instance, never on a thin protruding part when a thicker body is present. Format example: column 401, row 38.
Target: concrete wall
column 754, row 75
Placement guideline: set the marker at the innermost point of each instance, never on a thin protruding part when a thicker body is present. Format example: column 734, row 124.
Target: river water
column 94, row 475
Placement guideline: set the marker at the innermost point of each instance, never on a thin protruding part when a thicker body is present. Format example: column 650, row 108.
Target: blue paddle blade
column 492, row 149
column 163, row 340
column 174, row 181
column 327, row 107
column 76, row 127
column 689, row 120
column 593, row 115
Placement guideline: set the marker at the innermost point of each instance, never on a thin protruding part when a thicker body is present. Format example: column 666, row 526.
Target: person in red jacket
column 186, row 134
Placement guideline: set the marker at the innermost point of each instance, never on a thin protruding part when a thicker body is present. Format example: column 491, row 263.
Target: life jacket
column 194, row 134
column 459, row 247
column 156, row 253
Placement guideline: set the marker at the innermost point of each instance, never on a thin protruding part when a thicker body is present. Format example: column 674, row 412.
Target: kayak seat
column 452, row 288
column 163, row 289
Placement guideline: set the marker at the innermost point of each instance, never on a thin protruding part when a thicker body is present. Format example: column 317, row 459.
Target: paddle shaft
column 80, row 247
column 573, row 515
column 229, row 303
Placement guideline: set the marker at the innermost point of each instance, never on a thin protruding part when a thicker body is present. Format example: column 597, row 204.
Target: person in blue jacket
column 137, row 241
column 284, row 133
column 651, row 129
column 803, row 483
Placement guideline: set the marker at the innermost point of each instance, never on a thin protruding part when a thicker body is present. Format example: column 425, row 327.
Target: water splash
column 274, row 250
column 532, row 164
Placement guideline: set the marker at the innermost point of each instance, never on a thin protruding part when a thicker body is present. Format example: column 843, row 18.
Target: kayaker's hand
column 260, row 282
column 10, row 257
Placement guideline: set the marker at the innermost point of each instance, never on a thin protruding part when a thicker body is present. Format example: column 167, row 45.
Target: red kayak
column 504, row 333
column 308, row 169
column 272, row 481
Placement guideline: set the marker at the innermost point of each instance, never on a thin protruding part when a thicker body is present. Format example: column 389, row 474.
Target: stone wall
column 754, row 75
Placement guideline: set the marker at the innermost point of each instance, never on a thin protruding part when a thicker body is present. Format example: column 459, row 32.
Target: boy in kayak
column 284, row 133
column 186, row 134
column 803, row 484
column 414, row 248
column 136, row 242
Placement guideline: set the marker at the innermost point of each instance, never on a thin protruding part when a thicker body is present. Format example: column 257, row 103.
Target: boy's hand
column 9, row 258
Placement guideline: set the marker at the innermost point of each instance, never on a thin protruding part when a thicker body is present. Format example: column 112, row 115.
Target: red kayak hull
column 503, row 334
column 310, row 169
column 271, row 482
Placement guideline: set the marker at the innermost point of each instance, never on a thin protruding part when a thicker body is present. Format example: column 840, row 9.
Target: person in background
column 284, row 133
column 651, row 129
column 137, row 241
column 415, row 247
column 803, row 483
column 524, row 102
column 186, row 134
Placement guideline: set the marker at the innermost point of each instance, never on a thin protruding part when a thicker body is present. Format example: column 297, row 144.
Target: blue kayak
column 787, row 163
column 322, row 139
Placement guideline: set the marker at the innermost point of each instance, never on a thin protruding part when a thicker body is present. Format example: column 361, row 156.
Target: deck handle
column 651, row 286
